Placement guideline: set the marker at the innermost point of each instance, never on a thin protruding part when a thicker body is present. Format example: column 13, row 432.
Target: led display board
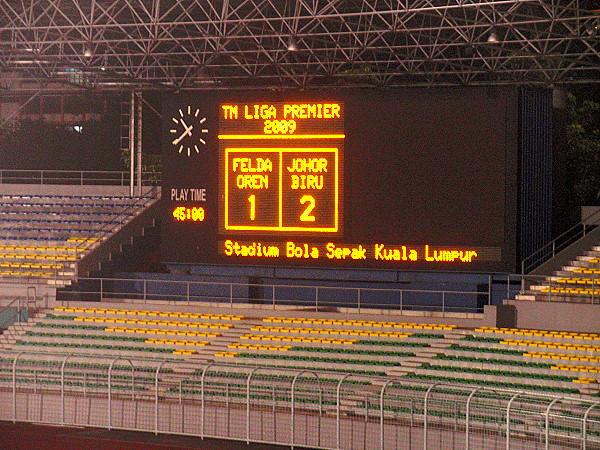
column 407, row 180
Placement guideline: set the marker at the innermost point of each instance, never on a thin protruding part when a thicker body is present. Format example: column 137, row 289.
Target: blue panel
column 535, row 121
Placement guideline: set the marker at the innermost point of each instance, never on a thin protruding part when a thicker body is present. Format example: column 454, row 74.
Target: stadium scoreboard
column 283, row 184
column 345, row 180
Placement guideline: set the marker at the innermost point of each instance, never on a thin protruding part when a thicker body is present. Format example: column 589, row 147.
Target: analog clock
column 189, row 132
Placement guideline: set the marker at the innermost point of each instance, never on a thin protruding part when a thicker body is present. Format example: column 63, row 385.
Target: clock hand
column 187, row 129
column 186, row 132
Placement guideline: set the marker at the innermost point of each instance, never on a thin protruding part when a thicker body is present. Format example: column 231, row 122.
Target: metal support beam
column 139, row 141
column 170, row 44
column 132, row 135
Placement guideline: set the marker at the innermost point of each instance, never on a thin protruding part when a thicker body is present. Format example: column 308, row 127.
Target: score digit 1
column 252, row 201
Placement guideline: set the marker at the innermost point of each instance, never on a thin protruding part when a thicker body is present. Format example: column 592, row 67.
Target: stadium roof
column 175, row 44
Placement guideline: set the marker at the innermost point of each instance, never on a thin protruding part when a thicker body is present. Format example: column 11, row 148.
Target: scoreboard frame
column 392, row 206
column 308, row 213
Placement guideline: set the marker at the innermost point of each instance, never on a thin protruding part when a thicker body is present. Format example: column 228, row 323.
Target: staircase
column 14, row 331
column 576, row 281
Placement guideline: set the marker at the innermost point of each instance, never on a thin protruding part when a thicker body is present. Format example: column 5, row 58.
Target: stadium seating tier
column 529, row 360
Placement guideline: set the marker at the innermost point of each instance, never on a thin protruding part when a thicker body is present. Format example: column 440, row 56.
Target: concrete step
column 18, row 329
column 491, row 379
column 414, row 361
column 570, row 274
column 456, row 335
column 59, row 282
column 66, row 273
column 583, row 263
column 538, row 287
column 36, row 319
column 511, row 368
column 594, row 390
column 588, row 256
column 530, row 297
column 397, row 372
column 445, row 343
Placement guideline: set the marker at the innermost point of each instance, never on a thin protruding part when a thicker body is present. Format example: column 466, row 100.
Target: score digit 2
column 306, row 216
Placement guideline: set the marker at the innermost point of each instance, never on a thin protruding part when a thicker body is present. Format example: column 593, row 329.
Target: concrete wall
column 590, row 215
column 492, row 316
column 582, row 318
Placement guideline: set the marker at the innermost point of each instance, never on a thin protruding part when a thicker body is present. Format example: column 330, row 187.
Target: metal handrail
column 362, row 298
column 17, row 313
column 550, row 250
column 274, row 295
column 75, row 177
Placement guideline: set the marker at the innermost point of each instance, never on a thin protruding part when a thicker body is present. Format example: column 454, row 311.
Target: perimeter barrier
column 305, row 408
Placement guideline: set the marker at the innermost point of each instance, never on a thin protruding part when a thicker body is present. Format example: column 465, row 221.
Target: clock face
column 189, row 132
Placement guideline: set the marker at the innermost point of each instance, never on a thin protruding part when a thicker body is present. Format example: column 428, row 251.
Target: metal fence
column 453, row 298
column 459, row 297
column 305, row 408
column 75, row 177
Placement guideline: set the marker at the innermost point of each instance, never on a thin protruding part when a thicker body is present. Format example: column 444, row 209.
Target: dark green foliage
column 583, row 139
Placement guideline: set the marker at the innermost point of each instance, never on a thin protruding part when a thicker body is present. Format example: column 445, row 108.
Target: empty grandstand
column 271, row 376
column 46, row 235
